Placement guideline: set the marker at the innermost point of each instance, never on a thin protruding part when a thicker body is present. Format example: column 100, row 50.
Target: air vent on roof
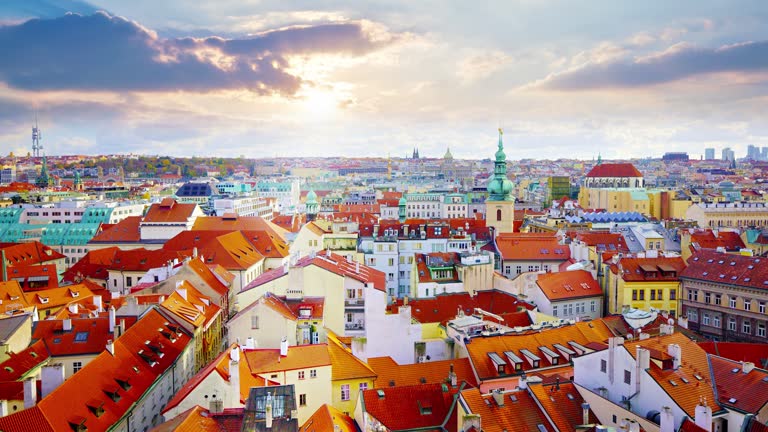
column 684, row 379
column 733, row 263
column 698, row 377
column 674, row 384
column 705, row 273
column 735, row 370
column 732, row 400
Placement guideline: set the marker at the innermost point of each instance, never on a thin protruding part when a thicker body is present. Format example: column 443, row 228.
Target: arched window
column 498, row 214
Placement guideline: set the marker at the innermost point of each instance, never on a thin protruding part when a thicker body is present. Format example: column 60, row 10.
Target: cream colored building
column 713, row 215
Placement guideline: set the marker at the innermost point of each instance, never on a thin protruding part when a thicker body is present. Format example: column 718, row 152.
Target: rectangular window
column 302, row 400
column 761, row 329
column 363, row 387
column 519, row 269
column 746, row 327
column 554, row 310
column 692, row 315
column 129, row 281
column 593, row 306
column 76, row 366
column 716, row 321
column 692, row 295
column 718, row 299
column 705, row 318
column 603, row 366
column 627, row 377
column 301, row 375
column 642, row 294
column 345, row 392
column 313, row 373
column 707, row 298
column 732, row 324
column 634, row 295
column 761, row 307
column 660, row 294
column 254, row 322
column 747, row 304
column 653, row 294
column 732, row 301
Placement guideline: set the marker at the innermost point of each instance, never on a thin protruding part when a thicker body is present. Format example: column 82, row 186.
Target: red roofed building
column 503, row 411
column 129, row 381
column 610, row 186
column 568, row 295
column 693, row 240
column 425, row 407
column 725, row 296
column 167, row 218
column 530, row 252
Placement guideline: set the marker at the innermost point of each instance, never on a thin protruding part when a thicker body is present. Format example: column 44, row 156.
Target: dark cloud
column 678, row 62
column 104, row 52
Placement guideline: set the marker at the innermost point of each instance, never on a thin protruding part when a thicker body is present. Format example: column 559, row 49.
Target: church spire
column 499, row 187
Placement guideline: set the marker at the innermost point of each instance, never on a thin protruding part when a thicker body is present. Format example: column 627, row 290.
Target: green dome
column 402, row 201
column 311, row 196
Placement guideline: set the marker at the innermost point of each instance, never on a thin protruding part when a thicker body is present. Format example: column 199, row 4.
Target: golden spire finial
column 501, row 132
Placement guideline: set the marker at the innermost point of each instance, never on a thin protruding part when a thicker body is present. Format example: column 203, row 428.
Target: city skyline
column 265, row 79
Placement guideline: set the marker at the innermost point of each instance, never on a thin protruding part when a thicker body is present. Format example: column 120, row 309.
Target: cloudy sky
column 264, row 78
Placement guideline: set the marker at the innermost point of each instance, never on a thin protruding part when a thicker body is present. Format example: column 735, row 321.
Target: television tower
column 37, row 146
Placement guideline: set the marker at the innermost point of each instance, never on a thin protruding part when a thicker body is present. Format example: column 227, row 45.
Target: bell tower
column 500, row 205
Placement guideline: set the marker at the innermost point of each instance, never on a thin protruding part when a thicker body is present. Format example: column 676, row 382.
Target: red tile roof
column 239, row 223
column 31, row 419
column 299, row 357
column 614, row 170
column 689, row 426
column 745, row 392
column 411, row 407
column 605, row 239
column 437, row 259
column 125, row 231
column 443, row 307
column 231, row 250
column 130, row 363
column 93, row 336
column 756, row 353
column 729, row 240
column 531, row 247
column 569, row 285
column 340, row 265
column 728, row 269
column 649, row 269
column 35, row 277
column 29, row 253
column 388, row 372
column 92, row 266
column 327, row 419
column 562, row 403
column 17, row 365
column 518, row 414
column 168, row 210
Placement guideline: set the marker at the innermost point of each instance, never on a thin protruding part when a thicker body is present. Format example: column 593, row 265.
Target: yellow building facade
column 643, row 283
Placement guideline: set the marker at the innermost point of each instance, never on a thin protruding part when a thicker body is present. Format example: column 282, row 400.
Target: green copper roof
column 499, row 187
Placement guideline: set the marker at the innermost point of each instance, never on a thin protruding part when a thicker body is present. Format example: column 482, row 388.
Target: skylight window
column 81, row 336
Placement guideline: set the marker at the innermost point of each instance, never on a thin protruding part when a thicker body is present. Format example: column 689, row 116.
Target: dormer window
column 113, row 393
column 96, row 407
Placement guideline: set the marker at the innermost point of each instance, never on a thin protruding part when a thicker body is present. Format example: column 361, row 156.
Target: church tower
column 312, row 205
column 44, row 179
column 500, row 205
column 401, row 210
column 78, row 182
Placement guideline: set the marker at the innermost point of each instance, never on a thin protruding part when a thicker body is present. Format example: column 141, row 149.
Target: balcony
column 354, row 303
column 353, row 328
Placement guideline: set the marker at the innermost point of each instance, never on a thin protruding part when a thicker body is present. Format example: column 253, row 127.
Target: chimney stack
column 268, row 412
column 452, row 377
column 52, row 376
column 73, row 308
column 234, row 378
column 703, row 415
column 498, row 396
column 111, row 319
column 284, row 347
column 67, row 325
column 747, row 367
column 30, row 392
column 675, row 351
column 667, row 423
column 585, row 413
column 98, row 303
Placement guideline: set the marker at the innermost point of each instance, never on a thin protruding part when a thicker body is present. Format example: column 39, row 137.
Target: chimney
column 522, row 384
column 194, row 252
column 234, row 378
column 111, row 319
column 268, row 412
column 613, row 343
column 703, row 417
column 452, row 377
column 52, row 376
column 111, row 347
column 133, row 305
column 97, row 302
column 405, row 301
column 67, row 325
column 73, row 308
column 675, row 351
column 3, row 408
column 30, row 392
column 498, row 396
column 250, row 343
column 284, row 347
column 634, row 426
column 747, row 367
column 667, row 420
column 357, row 266
column 584, row 413
column 119, row 329
column 642, row 362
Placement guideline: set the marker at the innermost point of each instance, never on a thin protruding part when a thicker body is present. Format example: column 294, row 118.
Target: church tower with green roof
column 312, row 205
column 500, row 205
